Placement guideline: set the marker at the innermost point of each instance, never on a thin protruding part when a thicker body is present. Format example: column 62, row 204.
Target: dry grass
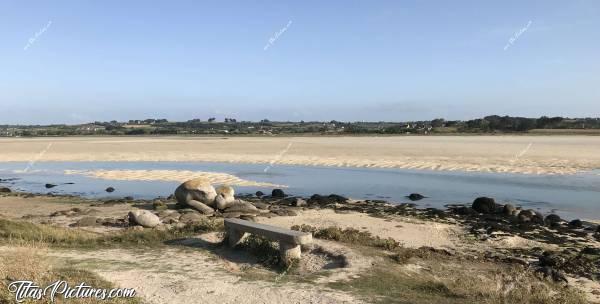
column 350, row 236
column 30, row 263
column 23, row 233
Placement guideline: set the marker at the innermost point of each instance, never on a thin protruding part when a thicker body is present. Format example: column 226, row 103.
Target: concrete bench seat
column 289, row 240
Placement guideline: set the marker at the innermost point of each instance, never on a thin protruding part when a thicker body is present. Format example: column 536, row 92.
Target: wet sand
column 510, row 154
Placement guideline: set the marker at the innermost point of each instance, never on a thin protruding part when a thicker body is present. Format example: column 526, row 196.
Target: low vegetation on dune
column 26, row 233
column 428, row 275
column 27, row 263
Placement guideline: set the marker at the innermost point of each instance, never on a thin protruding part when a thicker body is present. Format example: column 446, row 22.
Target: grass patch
column 26, row 233
column 350, row 236
column 389, row 283
column 26, row 263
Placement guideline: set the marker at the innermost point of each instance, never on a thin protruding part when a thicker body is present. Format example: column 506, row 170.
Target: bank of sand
column 511, row 154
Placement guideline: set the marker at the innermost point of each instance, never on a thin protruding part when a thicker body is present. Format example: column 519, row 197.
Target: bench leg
column 234, row 237
column 289, row 252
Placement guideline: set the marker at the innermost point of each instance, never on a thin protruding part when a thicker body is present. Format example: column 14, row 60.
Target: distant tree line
column 231, row 126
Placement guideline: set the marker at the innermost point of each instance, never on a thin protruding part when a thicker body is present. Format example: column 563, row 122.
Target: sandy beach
column 510, row 154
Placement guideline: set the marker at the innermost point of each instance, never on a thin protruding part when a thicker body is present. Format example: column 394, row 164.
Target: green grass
column 350, row 236
column 25, row 233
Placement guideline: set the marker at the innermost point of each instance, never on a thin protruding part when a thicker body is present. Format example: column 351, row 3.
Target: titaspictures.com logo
column 24, row 290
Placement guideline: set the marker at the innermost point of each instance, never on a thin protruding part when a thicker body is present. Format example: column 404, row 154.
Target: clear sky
column 79, row 61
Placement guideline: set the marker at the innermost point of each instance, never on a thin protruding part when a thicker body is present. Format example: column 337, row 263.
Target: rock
column 203, row 208
column 277, row 193
column 128, row 198
column 198, row 189
column 484, row 205
column 110, row 189
column 242, row 207
column 509, row 209
column 259, row 193
column 87, row 222
column 48, row 186
column 591, row 250
column 191, row 218
column 577, row 223
column 144, row 218
column 552, row 219
column 159, row 205
column 223, row 201
column 464, row 211
column 537, row 218
column 225, row 196
column 415, row 197
column 5, row 190
column 168, row 213
column 327, row 200
column 298, row 202
column 523, row 218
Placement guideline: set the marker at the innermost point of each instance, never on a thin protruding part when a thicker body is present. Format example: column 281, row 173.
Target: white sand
column 517, row 154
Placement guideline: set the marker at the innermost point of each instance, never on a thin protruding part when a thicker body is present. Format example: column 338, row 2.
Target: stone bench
column 289, row 240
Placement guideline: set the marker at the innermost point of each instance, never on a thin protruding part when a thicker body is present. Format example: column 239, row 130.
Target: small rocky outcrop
column 49, row 186
column 484, row 205
column 259, row 193
column 242, row 207
column 5, row 190
column 144, row 218
column 198, row 189
column 110, row 189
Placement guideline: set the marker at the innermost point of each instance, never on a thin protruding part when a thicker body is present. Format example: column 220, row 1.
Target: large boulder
column 144, row 218
column 484, row 205
column 203, row 208
column 197, row 189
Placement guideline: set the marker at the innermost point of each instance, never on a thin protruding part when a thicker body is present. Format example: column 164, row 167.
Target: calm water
column 574, row 196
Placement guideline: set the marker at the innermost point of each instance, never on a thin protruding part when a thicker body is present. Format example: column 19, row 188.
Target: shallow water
column 571, row 196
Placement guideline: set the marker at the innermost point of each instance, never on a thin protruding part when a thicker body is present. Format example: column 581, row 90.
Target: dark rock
column 552, row 219
column 538, row 218
column 577, row 223
column 464, row 211
column 5, row 190
column 128, row 198
column 326, row 200
column 415, row 197
column 48, row 186
column 509, row 209
column 551, row 259
column 110, row 189
column 484, row 205
column 277, row 193
column 259, row 193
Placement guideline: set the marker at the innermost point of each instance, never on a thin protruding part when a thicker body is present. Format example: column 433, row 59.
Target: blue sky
column 343, row 60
